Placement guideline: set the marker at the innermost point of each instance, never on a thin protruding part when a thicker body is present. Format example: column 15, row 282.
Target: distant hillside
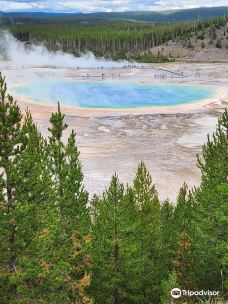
column 148, row 16
column 208, row 42
column 169, row 16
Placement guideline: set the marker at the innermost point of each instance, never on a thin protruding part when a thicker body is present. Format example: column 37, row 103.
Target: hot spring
column 111, row 94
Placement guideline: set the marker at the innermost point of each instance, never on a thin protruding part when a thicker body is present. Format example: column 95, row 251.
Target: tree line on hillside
column 126, row 246
column 118, row 40
column 111, row 38
column 201, row 13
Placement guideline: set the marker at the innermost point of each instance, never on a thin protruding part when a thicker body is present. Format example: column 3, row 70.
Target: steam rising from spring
column 38, row 55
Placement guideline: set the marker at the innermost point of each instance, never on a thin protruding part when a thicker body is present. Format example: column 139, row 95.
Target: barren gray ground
column 168, row 143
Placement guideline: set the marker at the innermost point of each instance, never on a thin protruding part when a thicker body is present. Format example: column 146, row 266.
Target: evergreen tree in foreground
column 116, row 276
column 32, row 191
column 212, row 210
column 108, row 280
column 44, row 221
column 67, row 234
column 67, row 174
column 11, row 145
column 167, row 251
column 184, row 237
column 148, row 232
column 23, row 188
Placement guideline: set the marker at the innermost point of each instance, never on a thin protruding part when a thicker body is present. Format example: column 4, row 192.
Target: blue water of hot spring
column 112, row 94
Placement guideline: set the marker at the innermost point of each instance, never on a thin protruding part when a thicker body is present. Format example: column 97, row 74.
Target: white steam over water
column 38, row 55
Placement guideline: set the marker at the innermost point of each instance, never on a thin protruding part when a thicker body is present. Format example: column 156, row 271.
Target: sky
column 88, row 6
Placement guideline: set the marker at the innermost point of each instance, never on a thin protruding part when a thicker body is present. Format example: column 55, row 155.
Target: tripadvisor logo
column 176, row 293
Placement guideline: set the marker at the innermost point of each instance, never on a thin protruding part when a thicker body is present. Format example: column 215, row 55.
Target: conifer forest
column 117, row 39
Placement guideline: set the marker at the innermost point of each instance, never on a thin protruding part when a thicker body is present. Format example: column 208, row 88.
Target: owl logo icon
column 176, row 293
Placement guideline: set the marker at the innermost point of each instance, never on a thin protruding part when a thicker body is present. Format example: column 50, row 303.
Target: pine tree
column 39, row 262
column 11, row 145
column 67, row 266
column 168, row 239
column 68, row 177
column 211, row 198
column 107, row 266
column 33, row 188
column 25, row 188
column 184, row 258
column 116, row 276
column 148, row 233
column 130, row 250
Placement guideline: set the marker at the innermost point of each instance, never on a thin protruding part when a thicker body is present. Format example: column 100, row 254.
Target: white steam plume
column 38, row 55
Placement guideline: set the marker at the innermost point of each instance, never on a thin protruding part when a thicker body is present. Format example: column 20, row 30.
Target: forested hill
column 146, row 16
column 124, row 39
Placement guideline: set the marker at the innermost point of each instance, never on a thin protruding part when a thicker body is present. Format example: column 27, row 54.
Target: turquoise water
column 111, row 94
